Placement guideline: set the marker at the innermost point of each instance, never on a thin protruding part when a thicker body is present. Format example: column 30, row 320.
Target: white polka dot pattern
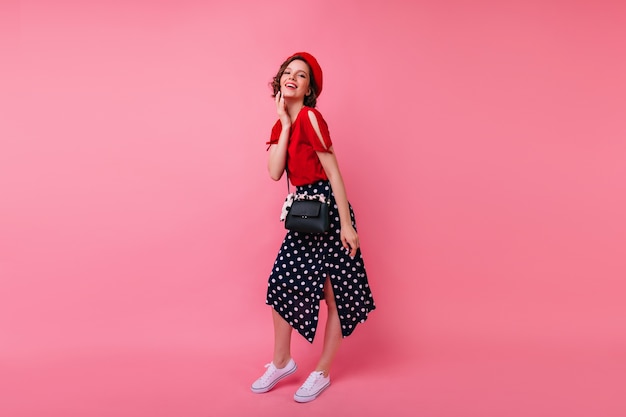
column 296, row 284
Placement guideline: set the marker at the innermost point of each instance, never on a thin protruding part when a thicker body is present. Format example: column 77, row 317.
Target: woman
column 310, row 267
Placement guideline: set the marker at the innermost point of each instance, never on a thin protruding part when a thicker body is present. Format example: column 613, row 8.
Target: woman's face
column 295, row 81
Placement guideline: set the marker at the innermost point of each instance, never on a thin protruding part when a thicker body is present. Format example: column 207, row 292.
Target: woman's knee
column 329, row 297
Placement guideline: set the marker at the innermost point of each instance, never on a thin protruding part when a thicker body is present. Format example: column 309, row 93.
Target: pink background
column 484, row 149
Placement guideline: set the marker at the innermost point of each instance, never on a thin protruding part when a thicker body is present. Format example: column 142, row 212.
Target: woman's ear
column 309, row 92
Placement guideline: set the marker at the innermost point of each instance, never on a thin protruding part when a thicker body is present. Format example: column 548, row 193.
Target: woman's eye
column 302, row 76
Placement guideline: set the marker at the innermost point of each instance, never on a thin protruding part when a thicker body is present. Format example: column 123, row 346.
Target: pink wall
column 483, row 147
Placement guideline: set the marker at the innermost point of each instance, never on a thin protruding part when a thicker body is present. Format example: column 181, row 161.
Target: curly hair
column 311, row 99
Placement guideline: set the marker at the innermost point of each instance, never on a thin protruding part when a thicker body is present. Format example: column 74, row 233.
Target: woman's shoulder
column 307, row 112
column 313, row 110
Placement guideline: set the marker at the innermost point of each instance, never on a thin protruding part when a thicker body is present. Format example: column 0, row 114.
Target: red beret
column 315, row 68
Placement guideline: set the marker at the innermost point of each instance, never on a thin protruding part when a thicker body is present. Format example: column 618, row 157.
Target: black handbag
column 308, row 215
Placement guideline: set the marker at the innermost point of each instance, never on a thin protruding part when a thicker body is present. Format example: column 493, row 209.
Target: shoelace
column 312, row 379
column 270, row 370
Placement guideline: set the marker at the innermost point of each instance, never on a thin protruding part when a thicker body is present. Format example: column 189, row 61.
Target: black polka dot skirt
column 296, row 284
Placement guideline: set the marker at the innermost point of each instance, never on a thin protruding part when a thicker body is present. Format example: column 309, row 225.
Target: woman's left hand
column 350, row 239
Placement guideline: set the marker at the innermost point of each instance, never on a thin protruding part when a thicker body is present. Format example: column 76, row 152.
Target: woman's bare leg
column 332, row 335
column 282, row 340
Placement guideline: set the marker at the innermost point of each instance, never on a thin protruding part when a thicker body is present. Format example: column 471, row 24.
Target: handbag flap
column 305, row 208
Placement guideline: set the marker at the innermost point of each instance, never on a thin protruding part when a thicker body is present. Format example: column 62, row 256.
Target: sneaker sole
column 309, row 398
column 273, row 384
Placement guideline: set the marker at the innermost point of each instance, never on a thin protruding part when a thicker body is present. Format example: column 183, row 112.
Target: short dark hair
column 311, row 99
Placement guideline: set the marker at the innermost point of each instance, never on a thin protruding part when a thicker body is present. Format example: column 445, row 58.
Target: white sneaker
column 272, row 375
column 312, row 387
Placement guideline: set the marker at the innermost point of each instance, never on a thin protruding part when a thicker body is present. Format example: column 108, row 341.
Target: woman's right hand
column 281, row 109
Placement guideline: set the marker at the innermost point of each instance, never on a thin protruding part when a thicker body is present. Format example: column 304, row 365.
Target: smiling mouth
column 290, row 85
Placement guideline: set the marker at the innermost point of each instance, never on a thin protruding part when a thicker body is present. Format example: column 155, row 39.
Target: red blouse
column 303, row 165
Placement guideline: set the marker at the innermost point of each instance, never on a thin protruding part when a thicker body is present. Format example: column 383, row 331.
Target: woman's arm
column 278, row 152
column 278, row 155
column 349, row 237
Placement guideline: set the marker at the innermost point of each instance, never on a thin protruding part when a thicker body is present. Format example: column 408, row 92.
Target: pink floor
column 214, row 382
